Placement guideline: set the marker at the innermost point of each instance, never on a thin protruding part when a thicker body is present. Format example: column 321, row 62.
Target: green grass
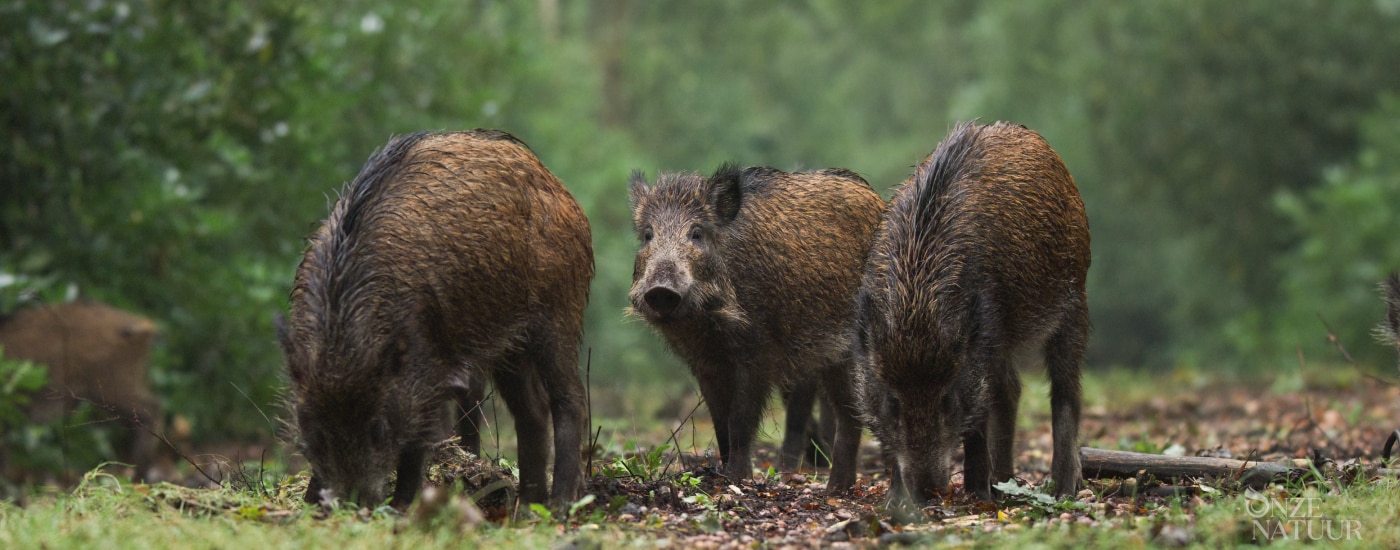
column 111, row 513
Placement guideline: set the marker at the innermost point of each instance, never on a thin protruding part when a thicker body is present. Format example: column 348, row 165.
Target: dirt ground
column 683, row 497
column 1336, row 422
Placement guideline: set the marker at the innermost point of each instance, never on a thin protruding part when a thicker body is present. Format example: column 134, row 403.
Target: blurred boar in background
column 451, row 258
column 94, row 352
column 749, row 276
column 978, row 269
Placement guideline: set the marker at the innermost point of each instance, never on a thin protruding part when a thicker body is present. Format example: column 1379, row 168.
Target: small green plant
column 19, row 380
column 252, row 513
column 508, row 465
column 46, row 445
column 636, row 463
column 701, row 499
column 1142, row 444
column 1040, row 502
column 688, row 481
column 546, row 515
column 709, row 519
column 580, row 504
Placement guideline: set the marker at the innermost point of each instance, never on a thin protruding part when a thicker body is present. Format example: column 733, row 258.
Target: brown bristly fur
column 978, row 268
column 452, row 257
column 749, row 275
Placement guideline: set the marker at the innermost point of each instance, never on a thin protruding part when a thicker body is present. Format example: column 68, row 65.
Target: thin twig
column 136, row 420
column 495, row 421
column 1307, row 404
column 255, row 404
column 593, row 446
column 1244, row 465
column 1332, row 337
column 262, row 472
column 688, row 417
column 1307, row 398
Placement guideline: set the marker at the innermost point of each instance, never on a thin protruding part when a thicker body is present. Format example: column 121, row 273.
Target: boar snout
column 662, row 299
column 664, row 289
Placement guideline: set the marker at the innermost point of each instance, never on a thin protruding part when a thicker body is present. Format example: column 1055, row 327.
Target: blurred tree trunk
column 549, row 20
column 609, row 25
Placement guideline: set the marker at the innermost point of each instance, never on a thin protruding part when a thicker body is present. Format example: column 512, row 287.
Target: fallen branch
column 1102, row 464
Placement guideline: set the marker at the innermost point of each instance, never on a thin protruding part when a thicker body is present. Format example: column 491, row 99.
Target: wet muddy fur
column 749, row 276
column 452, row 258
column 978, row 270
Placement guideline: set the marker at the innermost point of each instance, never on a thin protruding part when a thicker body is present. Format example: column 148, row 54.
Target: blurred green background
column 1240, row 160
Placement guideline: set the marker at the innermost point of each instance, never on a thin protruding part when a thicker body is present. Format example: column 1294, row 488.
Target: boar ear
column 725, row 192
column 637, row 188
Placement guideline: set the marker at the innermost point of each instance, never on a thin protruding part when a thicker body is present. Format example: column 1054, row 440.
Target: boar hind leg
column 556, row 358
column 1063, row 354
column 523, row 391
column 845, row 445
column 1005, row 390
column 825, row 430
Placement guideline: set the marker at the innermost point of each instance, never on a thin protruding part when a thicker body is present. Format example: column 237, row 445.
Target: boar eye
column 646, row 234
column 696, row 234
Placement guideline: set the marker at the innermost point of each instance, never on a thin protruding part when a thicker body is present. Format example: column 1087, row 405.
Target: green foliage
column 44, row 445
column 117, row 516
column 637, row 463
column 580, row 504
column 19, row 381
column 170, row 157
column 689, row 481
column 545, row 515
column 1143, row 444
column 143, row 131
column 51, row 448
column 1349, row 244
column 1180, row 122
column 1038, row 504
column 1015, row 492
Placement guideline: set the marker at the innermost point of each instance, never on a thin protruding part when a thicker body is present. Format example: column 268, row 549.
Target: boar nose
column 662, row 299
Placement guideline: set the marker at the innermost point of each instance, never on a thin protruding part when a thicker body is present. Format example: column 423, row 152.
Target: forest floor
column 645, row 493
